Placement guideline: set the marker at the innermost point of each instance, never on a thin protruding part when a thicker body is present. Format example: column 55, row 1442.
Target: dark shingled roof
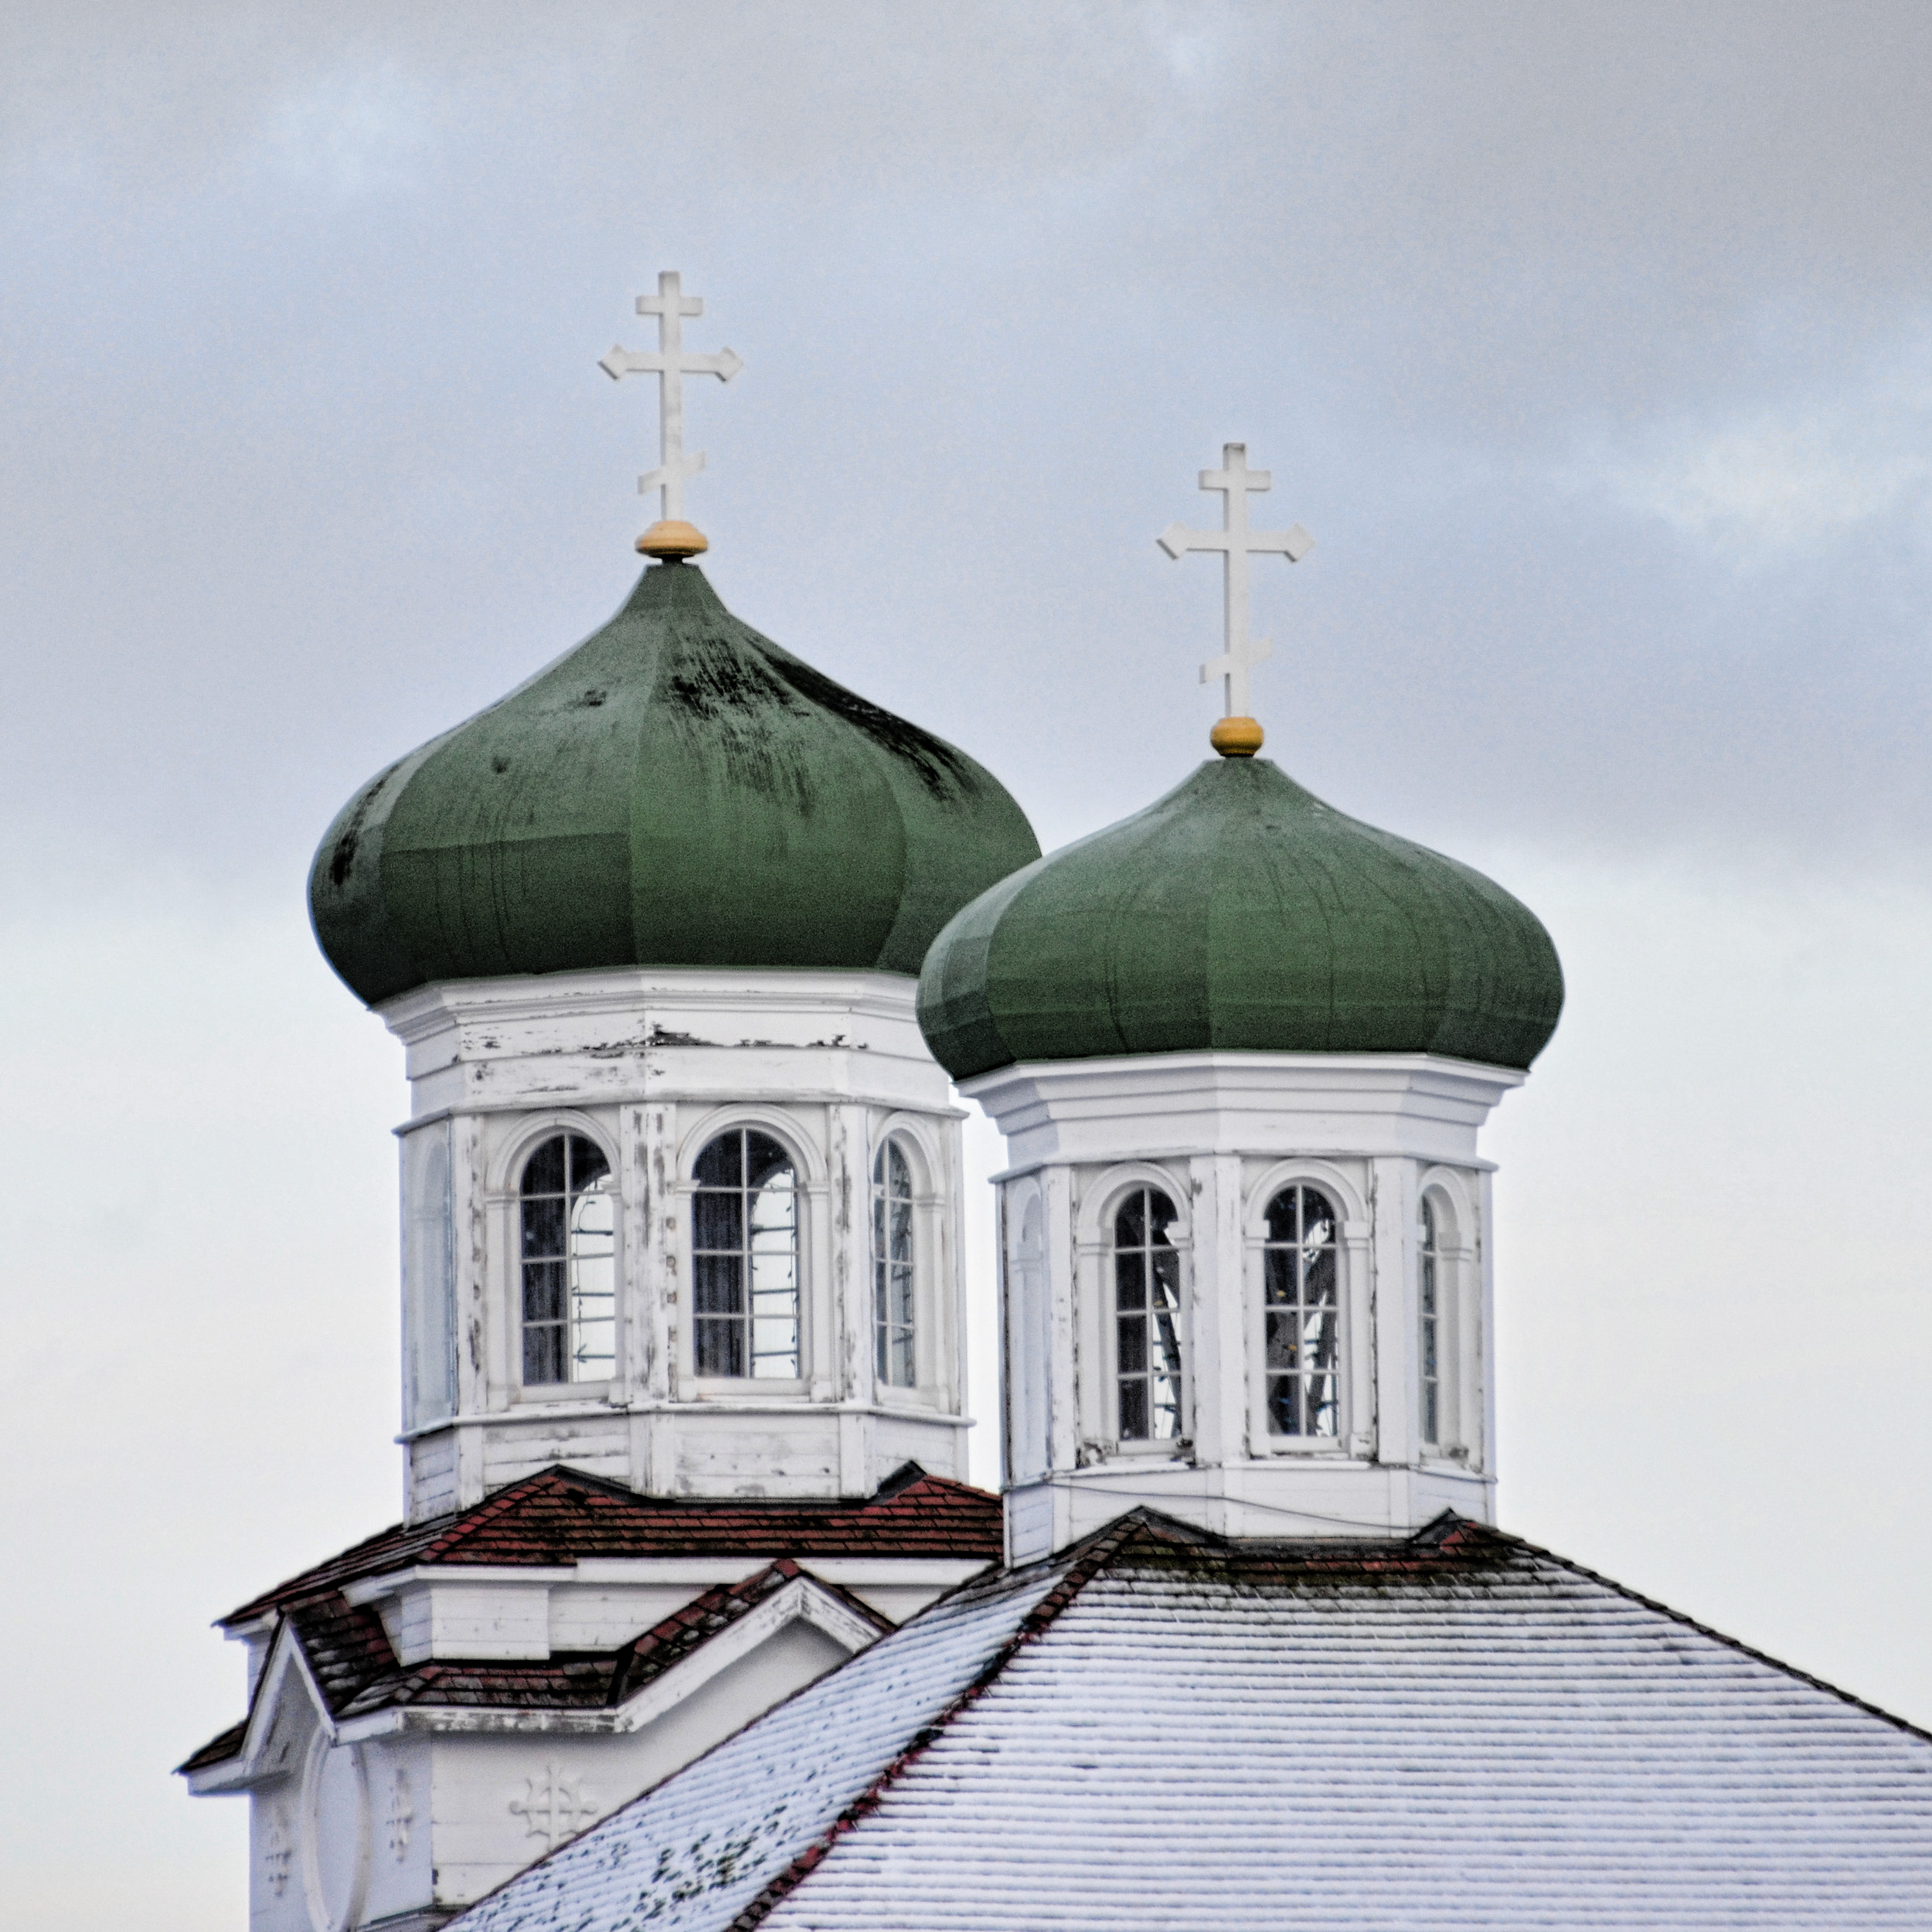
column 350, row 1654
column 560, row 1515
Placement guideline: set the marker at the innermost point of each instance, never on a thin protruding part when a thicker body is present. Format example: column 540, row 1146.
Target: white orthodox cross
column 1237, row 543
column 669, row 363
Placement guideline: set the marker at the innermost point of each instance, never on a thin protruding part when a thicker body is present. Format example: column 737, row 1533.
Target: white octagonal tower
column 684, row 1413
column 681, row 1177
column 651, row 1219
column 1240, row 1045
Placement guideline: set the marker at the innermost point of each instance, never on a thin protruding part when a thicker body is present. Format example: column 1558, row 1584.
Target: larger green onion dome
column 1241, row 912
column 678, row 791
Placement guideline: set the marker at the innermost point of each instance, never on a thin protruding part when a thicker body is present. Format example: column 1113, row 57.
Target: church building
column 693, row 1621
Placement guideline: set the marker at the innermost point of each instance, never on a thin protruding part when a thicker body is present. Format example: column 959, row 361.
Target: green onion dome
column 678, row 791
column 1239, row 912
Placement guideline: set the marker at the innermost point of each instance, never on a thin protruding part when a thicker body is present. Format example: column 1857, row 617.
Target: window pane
column 1317, row 1220
column 719, row 1347
column 765, row 1160
column 718, row 1282
column 1284, row 1405
column 1317, row 1338
column 1130, row 1280
column 900, row 1178
column 902, row 1374
column 1284, row 1336
column 716, row 1221
column 543, row 1225
column 587, row 1163
column 1133, row 1411
column 1132, row 1344
column 1284, row 1219
column 1320, row 1282
column 721, row 1164
column 543, row 1172
column 1167, row 1278
column 902, row 1231
column 593, row 1278
column 774, row 1211
column 1322, row 1410
column 543, row 1353
column 1166, row 1336
column 543, row 1291
column 1277, row 1275
column 1130, row 1225
column 1160, row 1217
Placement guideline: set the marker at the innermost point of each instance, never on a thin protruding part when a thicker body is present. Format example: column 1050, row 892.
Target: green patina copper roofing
column 678, row 790
column 1239, row 911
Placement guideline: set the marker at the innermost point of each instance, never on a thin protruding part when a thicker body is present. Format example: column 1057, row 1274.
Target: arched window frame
column 1353, row 1434
column 505, row 1203
column 815, row 1348
column 932, row 1345
column 1459, row 1316
column 1099, row 1353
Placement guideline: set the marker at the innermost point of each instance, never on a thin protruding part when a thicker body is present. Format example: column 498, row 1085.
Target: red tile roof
column 560, row 1516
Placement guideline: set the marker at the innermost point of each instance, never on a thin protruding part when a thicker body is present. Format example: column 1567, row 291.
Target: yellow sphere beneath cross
column 1235, row 737
column 673, row 538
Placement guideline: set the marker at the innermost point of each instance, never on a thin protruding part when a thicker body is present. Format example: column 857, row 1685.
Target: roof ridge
column 1099, row 1549
column 1509, row 1536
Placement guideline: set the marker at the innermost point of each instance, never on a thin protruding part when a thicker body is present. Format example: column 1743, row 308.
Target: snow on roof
column 1159, row 1729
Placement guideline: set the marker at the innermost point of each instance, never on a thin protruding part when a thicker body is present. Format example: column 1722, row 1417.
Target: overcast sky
column 1591, row 342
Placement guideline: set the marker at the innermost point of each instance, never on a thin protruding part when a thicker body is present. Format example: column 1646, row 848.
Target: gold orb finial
column 1235, row 737
column 673, row 537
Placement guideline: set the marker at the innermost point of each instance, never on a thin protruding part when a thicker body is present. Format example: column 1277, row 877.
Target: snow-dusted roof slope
column 1161, row 1730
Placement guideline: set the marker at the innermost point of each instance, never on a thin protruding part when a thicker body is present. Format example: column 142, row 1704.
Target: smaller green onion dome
column 1240, row 912
column 678, row 791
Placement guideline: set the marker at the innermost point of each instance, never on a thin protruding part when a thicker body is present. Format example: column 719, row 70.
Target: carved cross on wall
column 669, row 363
column 554, row 1807
column 1237, row 543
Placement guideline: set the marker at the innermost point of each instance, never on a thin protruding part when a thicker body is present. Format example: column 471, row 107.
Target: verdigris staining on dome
column 678, row 790
column 1239, row 912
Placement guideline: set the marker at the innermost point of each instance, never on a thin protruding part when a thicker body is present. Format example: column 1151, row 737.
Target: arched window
column 892, row 1265
column 1429, row 1315
column 744, row 1224
column 568, row 1247
column 1147, row 1318
column 1300, row 1281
